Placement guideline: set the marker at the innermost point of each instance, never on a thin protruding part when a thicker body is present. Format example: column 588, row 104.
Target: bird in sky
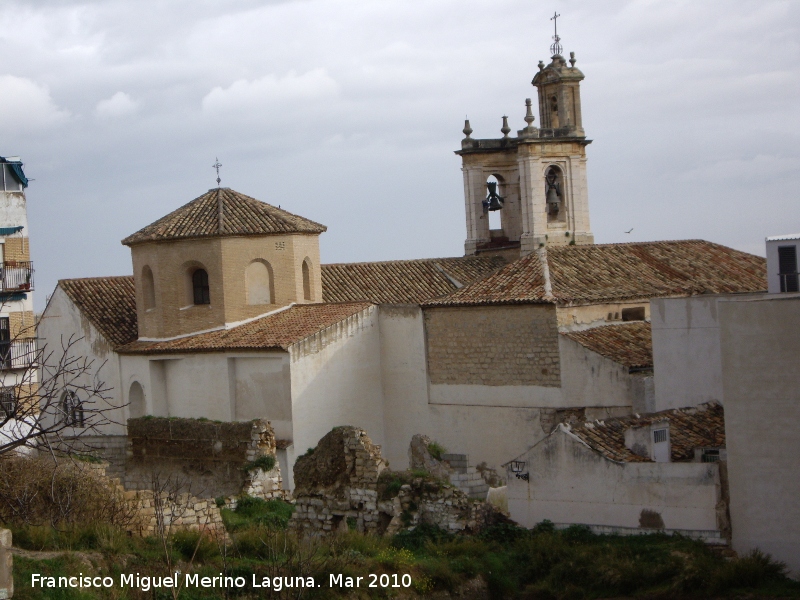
column 629, row 230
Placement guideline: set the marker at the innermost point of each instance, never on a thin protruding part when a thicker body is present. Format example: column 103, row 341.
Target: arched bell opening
column 555, row 195
column 494, row 203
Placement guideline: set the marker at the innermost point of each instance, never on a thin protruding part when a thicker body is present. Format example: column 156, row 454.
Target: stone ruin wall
column 204, row 458
column 176, row 469
column 344, row 484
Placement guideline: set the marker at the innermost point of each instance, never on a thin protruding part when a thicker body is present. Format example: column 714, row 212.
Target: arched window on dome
column 308, row 291
column 148, row 288
column 200, row 291
column 259, row 283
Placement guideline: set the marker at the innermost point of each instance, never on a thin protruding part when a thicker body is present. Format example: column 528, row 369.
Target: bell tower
column 541, row 190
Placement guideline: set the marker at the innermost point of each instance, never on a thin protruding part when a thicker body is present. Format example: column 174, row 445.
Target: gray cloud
column 348, row 112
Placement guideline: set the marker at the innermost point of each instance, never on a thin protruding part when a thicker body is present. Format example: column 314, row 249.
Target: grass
column 513, row 562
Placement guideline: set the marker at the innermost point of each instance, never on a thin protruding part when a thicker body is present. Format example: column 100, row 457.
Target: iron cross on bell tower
column 216, row 166
column 556, row 47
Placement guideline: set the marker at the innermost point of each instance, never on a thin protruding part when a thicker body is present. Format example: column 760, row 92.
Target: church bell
column 553, row 196
column 493, row 201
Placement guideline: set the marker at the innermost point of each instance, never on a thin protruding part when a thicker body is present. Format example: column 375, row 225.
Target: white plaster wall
column 569, row 483
column 336, row 380
column 62, row 320
column 686, row 351
column 487, row 433
column 14, row 211
column 589, row 379
column 219, row 386
column 761, row 382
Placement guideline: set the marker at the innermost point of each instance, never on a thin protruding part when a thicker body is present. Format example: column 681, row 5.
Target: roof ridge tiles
column 224, row 212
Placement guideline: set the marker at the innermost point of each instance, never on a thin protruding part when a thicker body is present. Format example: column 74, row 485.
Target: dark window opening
column 5, row 343
column 8, row 403
column 200, row 288
column 72, row 408
column 787, row 268
column 633, row 314
column 659, row 436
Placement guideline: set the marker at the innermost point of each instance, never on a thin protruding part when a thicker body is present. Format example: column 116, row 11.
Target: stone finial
column 505, row 129
column 572, row 60
column 467, row 130
column 541, row 66
column 530, row 130
column 529, row 118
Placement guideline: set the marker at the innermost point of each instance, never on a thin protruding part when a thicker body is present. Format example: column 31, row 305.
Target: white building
column 18, row 378
column 231, row 315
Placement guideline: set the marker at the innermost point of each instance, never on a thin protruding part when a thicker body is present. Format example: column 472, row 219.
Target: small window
column 787, row 268
column 659, row 436
column 200, row 288
column 307, row 291
column 72, row 408
column 259, row 286
column 633, row 314
column 8, row 403
column 10, row 181
column 148, row 288
column 710, row 456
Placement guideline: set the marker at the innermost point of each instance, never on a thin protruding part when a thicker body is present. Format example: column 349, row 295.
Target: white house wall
column 475, row 423
column 761, row 379
column 336, row 380
column 215, row 385
column 569, row 483
column 592, row 380
column 686, row 351
column 62, row 321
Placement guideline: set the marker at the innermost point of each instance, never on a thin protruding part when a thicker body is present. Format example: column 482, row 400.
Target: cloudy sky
column 348, row 112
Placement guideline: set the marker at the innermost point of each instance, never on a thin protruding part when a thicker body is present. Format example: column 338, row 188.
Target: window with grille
column 200, row 288
column 5, row 343
column 72, row 408
column 787, row 268
column 8, row 403
column 659, row 435
column 709, row 456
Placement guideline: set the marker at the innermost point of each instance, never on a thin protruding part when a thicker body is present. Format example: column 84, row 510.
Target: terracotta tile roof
column 223, row 212
column 614, row 272
column 403, row 281
column 629, row 344
column 276, row 331
column 108, row 302
column 689, row 428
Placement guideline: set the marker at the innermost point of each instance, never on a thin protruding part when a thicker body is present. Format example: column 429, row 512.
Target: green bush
column 251, row 511
column 265, row 462
column 415, row 539
column 436, row 450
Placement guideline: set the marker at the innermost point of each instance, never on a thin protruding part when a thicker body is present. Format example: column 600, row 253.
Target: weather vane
column 216, row 166
column 556, row 47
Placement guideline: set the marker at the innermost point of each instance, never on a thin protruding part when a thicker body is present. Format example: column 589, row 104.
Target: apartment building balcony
column 16, row 276
column 18, row 354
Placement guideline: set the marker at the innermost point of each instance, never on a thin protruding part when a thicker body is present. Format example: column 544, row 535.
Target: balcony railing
column 16, row 276
column 789, row 282
column 19, row 354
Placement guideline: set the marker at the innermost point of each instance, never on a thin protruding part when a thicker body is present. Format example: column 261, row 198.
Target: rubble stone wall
column 344, row 484
column 204, row 458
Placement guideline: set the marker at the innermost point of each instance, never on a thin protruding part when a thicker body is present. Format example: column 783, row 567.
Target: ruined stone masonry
column 208, row 458
column 173, row 470
column 344, row 483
